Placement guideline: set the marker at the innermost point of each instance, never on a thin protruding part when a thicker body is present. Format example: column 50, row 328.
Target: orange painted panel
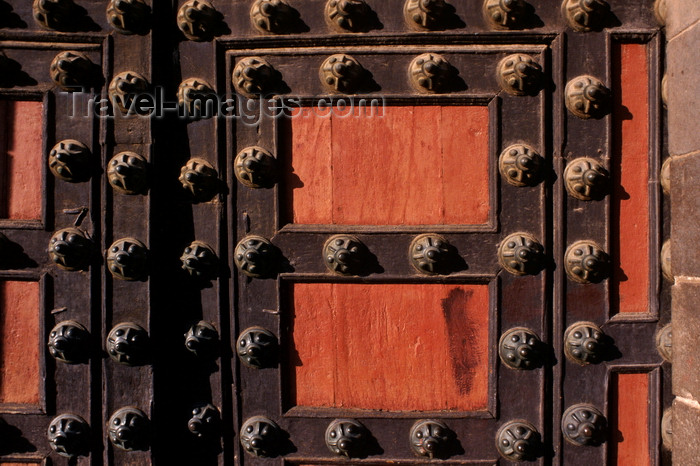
column 630, row 170
column 629, row 419
column 19, row 342
column 414, row 165
column 21, row 131
column 369, row 346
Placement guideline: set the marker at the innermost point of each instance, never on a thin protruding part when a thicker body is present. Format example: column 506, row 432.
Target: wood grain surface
column 396, row 347
column 415, row 165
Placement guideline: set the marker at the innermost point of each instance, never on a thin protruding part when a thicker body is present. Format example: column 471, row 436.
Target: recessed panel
column 629, row 419
column 393, row 347
column 630, row 170
column 21, row 134
column 19, row 342
column 400, row 165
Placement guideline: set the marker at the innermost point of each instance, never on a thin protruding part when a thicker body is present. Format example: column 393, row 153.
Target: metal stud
column 583, row 424
column 202, row 340
column 519, row 74
column 128, row 429
column 53, row 14
column 585, row 343
column 346, row 437
column 200, row 261
column 660, row 11
column 429, row 254
column 272, row 16
column 257, row 347
column 587, row 97
column 129, row 16
column 341, row 73
column 347, row 15
column 70, row 249
column 198, row 20
column 205, row 420
column 666, row 261
column 667, row 429
column 586, row 179
column 254, row 76
column 430, row 438
column 259, row 436
column 664, row 343
column 521, row 254
column 504, row 14
column 70, row 160
column 424, row 14
column 665, row 176
column 520, row 348
column 127, row 343
column 518, row 441
column 69, row 342
column 521, row 165
column 71, row 71
column 124, row 88
column 256, row 257
column 664, row 90
column 127, row 173
column 344, row 254
column 199, row 179
column 69, row 435
column 431, row 73
column 127, row 259
column 586, row 262
column 255, row 168
column 195, row 97
column 585, row 15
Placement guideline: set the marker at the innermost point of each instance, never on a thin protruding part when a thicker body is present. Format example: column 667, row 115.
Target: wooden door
column 337, row 232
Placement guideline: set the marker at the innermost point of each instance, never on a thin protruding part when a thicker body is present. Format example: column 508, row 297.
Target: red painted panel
column 629, row 419
column 19, row 342
column 21, row 130
column 368, row 346
column 630, row 172
column 414, row 165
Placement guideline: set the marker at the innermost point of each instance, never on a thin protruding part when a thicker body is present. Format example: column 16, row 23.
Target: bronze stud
column 70, row 249
column 585, row 343
column 431, row 73
column 586, row 15
column 70, row 160
column 127, row 343
column 586, row 179
column 129, row 16
column 518, row 441
column 259, row 436
column 583, row 424
column 128, row 429
column 521, row 165
column 520, row 348
column 504, row 14
column 586, row 262
column 521, row 254
column 69, row 435
column 519, row 74
column 205, row 420
column 127, row 259
column 587, row 97
column 257, row 347
column 341, row 73
column 127, row 173
column 198, row 20
column 255, row 168
column 430, row 438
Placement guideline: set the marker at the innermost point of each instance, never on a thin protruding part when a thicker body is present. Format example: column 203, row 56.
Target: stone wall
column 683, row 97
